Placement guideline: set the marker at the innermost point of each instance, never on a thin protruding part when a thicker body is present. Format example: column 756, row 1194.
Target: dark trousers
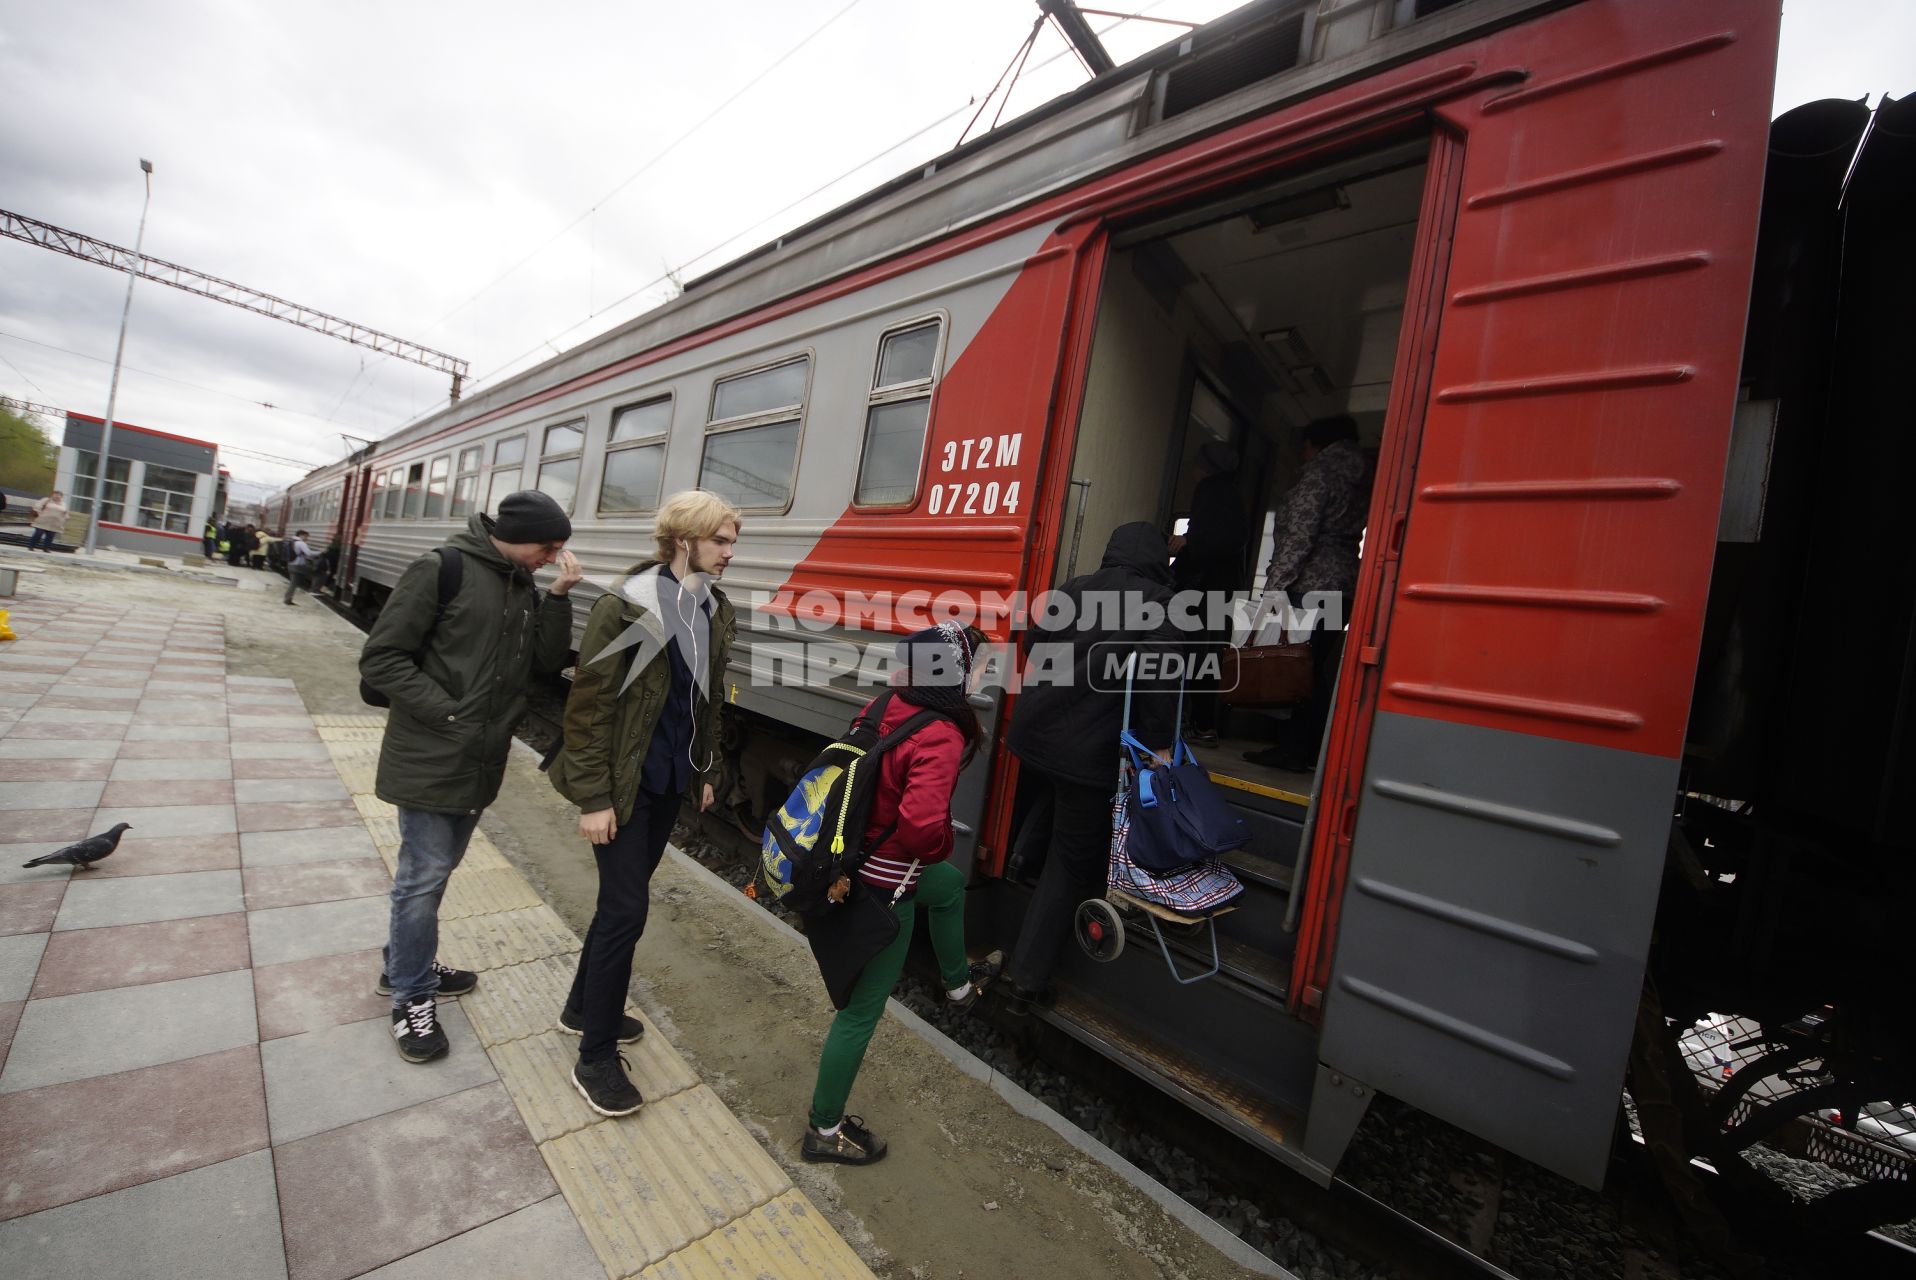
column 625, row 897
column 1075, row 868
column 40, row 540
column 1304, row 731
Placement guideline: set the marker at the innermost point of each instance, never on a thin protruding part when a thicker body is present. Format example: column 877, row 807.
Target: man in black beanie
column 456, row 644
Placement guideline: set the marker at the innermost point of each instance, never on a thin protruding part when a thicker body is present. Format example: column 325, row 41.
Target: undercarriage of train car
column 1776, row 1009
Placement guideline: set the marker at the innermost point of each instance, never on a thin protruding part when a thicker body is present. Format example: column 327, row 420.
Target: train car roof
column 1202, row 81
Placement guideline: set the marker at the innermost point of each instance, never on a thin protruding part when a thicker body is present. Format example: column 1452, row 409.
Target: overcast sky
column 487, row 178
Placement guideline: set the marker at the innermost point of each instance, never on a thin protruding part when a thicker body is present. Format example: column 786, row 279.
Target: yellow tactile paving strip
column 679, row 1191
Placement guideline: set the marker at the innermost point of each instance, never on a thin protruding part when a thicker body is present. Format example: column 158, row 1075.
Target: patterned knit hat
column 937, row 667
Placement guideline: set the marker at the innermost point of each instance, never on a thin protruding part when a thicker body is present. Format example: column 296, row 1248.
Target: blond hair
column 691, row 515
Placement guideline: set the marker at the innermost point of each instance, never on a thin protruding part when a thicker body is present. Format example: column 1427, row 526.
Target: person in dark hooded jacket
column 457, row 680
column 1065, row 729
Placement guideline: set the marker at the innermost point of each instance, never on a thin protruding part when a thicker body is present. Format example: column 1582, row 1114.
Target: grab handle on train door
column 1077, row 525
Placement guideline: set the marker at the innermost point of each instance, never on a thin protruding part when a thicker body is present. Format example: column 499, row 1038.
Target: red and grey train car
column 1515, row 240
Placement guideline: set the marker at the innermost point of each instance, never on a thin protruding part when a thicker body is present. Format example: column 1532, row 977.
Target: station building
column 160, row 488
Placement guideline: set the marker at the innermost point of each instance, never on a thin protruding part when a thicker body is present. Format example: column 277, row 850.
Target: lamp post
column 113, row 387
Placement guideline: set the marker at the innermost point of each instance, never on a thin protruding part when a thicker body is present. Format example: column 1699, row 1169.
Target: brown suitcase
column 1269, row 675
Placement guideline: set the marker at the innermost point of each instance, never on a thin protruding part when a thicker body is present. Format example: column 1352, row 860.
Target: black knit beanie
column 530, row 516
column 937, row 667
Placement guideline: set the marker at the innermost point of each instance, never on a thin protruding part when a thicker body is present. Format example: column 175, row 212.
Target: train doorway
column 1223, row 332
column 1220, row 332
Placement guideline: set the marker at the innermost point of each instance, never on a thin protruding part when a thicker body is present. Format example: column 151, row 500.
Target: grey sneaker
column 417, row 1031
column 573, row 1024
column 605, row 1087
column 852, row 1144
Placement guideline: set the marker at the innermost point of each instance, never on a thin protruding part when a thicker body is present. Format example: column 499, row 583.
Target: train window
column 415, row 491
column 751, row 446
column 559, row 462
column 779, row 388
column 642, row 421
column 465, row 486
column 635, row 457
column 436, row 487
column 507, row 454
column 896, row 418
column 377, row 508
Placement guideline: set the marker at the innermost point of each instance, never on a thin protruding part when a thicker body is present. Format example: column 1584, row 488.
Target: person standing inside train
column 1210, row 558
column 456, row 674
column 1315, row 539
column 908, row 839
column 1064, row 731
column 641, row 734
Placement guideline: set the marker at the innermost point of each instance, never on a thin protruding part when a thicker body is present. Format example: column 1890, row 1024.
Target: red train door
column 1486, row 860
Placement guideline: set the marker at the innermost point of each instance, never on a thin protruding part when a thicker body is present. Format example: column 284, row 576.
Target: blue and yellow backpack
column 816, row 836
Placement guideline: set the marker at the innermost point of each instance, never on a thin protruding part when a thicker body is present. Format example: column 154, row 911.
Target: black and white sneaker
column 573, row 1024
column 452, row 982
column 605, row 1087
column 983, row 974
column 852, row 1144
column 417, row 1031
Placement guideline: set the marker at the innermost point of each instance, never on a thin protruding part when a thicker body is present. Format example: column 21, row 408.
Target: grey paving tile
column 93, row 692
column 320, row 1080
column 171, row 706
column 260, row 682
column 75, row 715
column 176, row 733
column 49, row 795
column 99, row 904
column 274, row 790
column 13, row 854
column 222, row 1220
column 285, row 934
column 275, row 750
column 241, row 721
column 174, row 819
column 178, row 688
column 96, row 1033
column 180, row 770
column 58, row 749
column 19, row 961
column 540, row 1239
column 323, row 844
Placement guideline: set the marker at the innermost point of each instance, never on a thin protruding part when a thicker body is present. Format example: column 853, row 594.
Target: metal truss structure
column 147, row 267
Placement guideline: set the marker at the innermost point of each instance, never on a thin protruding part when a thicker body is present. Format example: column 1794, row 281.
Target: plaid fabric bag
column 1197, row 889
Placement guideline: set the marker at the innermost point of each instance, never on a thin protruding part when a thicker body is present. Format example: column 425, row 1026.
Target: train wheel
column 1100, row 930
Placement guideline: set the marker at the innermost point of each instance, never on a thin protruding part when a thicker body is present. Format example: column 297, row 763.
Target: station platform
column 196, row 1076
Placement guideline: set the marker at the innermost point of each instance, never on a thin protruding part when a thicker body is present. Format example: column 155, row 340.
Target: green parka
column 608, row 731
column 458, row 687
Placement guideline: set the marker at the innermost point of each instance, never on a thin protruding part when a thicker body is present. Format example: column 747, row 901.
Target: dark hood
column 476, row 540
column 1141, row 548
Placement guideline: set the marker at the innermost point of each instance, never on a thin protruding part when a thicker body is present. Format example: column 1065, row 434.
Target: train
column 1622, row 728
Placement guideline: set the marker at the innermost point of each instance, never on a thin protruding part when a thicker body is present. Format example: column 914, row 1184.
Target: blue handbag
column 1178, row 815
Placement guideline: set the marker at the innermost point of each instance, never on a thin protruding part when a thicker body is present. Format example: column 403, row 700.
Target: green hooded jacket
column 458, row 687
column 608, row 723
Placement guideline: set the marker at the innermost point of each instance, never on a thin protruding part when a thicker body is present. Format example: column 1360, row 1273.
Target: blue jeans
column 40, row 540
column 430, row 846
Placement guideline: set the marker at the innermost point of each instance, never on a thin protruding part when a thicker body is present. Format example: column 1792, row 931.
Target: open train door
column 1487, row 854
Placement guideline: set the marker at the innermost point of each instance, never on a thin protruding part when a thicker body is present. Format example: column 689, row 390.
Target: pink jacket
column 911, row 810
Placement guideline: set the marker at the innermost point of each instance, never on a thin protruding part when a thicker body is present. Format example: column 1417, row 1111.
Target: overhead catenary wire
column 636, row 174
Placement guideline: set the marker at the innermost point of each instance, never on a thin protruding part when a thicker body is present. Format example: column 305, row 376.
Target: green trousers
column 941, row 892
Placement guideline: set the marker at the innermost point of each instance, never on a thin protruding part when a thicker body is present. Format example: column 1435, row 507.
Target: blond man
column 641, row 735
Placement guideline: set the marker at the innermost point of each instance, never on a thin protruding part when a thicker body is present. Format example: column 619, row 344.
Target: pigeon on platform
column 86, row 852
